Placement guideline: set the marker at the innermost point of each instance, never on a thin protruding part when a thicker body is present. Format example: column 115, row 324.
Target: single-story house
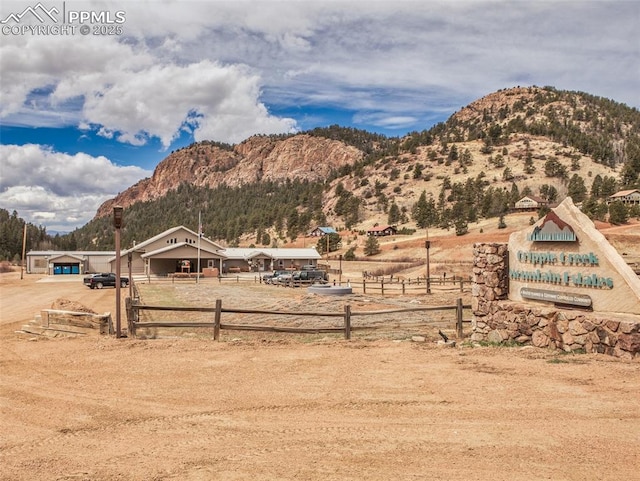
column 382, row 230
column 175, row 250
column 531, row 202
column 268, row 259
column 628, row 197
column 322, row 231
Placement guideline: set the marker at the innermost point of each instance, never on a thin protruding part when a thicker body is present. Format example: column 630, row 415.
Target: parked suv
column 311, row 276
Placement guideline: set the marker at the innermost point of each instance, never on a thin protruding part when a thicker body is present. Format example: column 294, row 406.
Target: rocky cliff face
column 258, row 158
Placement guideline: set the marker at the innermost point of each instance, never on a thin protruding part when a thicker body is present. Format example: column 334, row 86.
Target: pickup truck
column 105, row 279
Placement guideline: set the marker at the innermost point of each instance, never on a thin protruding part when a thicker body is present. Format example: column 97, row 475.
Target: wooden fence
column 134, row 307
column 403, row 285
column 378, row 284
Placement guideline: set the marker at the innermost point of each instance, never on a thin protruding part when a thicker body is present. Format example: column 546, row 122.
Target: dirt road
column 22, row 299
column 99, row 408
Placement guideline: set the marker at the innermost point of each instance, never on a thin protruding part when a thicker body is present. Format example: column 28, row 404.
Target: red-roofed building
column 382, row 230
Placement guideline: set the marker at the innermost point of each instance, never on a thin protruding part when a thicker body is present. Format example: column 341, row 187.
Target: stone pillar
column 490, row 283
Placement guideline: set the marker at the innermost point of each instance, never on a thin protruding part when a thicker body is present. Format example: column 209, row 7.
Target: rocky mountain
column 523, row 140
column 259, row 158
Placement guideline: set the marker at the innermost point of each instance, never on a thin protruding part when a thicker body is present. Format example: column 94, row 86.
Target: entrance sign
column 563, row 259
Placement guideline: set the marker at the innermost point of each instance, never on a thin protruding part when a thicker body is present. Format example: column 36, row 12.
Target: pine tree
column 618, row 213
column 395, row 215
column 331, row 241
column 576, row 189
column 372, row 246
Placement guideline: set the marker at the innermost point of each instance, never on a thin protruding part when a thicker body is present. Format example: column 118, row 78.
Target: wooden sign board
column 567, row 298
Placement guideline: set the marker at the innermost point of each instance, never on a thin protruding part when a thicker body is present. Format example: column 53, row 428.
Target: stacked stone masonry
column 496, row 319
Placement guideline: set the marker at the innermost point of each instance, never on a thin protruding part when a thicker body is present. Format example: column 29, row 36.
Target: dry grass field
column 310, row 407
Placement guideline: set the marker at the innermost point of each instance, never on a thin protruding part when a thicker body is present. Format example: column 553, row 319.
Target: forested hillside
column 226, row 212
column 477, row 164
column 12, row 236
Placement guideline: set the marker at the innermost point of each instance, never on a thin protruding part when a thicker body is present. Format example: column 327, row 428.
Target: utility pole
column 24, row 248
column 117, row 223
column 427, row 245
column 199, row 237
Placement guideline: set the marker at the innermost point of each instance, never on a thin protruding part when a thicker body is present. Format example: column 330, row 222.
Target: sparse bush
column 5, row 266
column 350, row 255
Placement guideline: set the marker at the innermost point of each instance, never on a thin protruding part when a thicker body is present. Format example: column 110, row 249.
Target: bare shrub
column 5, row 266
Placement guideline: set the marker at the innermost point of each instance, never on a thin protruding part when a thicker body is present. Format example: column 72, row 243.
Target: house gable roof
column 381, row 228
column 171, row 233
column 66, row 254
column 624, row 193
column 179, row 245
column 534, row 198
column 326, row 230
column 307, row 253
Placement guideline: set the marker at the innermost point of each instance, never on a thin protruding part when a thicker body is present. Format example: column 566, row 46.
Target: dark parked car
column 104, row 279
column 311, row 276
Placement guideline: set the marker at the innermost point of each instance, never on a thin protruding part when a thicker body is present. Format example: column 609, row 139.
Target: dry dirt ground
column 284, row 407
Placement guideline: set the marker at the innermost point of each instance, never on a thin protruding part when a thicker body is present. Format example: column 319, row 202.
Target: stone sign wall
column 564, row 260
column 542, row 324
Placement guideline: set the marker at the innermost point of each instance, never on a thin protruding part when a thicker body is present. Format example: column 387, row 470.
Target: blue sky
column 84, row 116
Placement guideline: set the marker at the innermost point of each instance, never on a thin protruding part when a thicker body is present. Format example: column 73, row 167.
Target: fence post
column 216, row 322
column 403, row 287
column 382, row 287
column 364, row 285
column 459, row 318
column 131, row 326
column 347, row 322
column 461, row 285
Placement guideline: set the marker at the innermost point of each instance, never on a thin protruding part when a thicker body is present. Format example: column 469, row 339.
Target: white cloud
column 124, row 92
column 63, row 190
column 159, row 100
column 225, row 60
column 212, row 68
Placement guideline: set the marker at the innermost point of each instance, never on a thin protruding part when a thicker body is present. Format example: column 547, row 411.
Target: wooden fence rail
column 134, row 307
column 407, row 285
column 377, row 283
